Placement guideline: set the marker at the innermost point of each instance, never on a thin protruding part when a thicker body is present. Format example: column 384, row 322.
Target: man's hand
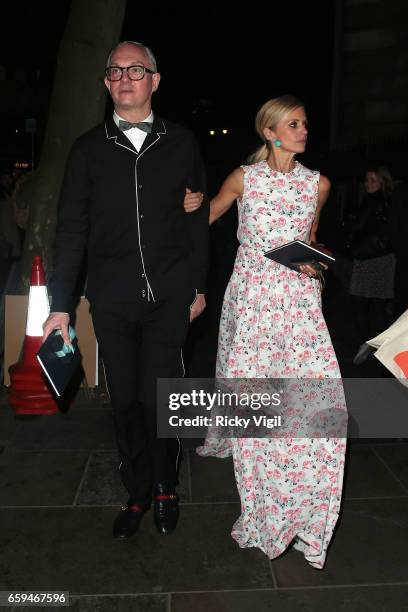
column 192, row 201
column 57, row 320
column 197, row 306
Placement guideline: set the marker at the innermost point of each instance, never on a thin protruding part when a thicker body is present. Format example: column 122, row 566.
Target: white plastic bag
column 392, row 345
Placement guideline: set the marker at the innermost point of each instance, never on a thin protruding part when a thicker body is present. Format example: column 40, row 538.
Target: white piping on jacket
column 178, row 439
column 149, row 289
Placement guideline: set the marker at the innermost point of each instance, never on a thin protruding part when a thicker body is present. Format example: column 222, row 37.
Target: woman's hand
column 192, row 200
column 312, row 270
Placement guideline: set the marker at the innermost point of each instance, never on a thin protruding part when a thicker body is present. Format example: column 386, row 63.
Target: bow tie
column 145, row 126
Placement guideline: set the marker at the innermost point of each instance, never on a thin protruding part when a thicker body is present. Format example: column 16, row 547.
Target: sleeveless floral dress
column 272, row 326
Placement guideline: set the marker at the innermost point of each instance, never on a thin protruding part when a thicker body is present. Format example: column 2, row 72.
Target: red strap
column 135, row 508
column 165, row 497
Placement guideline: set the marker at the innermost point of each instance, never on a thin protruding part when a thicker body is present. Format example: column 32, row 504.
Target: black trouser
column 140, row 343
column 400, row 303
column 370, row 316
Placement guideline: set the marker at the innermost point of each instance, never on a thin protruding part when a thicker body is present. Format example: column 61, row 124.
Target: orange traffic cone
column 28, row 391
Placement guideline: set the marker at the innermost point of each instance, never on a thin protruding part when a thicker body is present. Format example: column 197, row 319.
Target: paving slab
column 367, row 476
column 369, row 547
column 40, row 479
column 78, row 429
column 395, row 457
column 72, row 549
column 121, row 603
column 102, row 484
column 212, row 479
column 355, row 599
column 7, row 425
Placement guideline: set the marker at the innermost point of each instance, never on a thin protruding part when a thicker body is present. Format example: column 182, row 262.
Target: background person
column 372, row 277
column 10, row 244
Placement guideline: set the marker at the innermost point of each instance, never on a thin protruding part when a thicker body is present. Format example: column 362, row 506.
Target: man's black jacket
column 126, row 209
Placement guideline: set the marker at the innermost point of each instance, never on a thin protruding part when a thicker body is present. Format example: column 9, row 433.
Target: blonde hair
column 385, row 178
column 269, row 116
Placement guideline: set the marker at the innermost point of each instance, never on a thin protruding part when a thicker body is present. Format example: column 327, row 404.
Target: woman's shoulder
column 255, row 168
column 238, row 173
column 302, row 169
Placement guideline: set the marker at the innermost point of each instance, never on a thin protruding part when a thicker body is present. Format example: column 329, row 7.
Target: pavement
column 60, row 492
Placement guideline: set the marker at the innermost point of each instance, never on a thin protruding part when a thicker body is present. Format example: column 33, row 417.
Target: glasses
column 135, row 73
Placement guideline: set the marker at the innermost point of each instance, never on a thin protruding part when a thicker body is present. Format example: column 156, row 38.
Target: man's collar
column 112, row 130
column 114, row 134
column 116, row 118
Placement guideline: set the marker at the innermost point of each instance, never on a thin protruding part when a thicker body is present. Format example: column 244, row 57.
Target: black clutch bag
column 58, row 360
column 293, row 254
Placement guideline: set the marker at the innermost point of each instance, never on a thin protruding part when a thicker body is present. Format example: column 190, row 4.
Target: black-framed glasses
column 135, row 73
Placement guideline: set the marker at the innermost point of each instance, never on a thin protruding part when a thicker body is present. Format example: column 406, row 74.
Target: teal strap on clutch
column 67, row 348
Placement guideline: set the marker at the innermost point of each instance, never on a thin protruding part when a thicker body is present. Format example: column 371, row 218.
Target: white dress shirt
column 135, row 135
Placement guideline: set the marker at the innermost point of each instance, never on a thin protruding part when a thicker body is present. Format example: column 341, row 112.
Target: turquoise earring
column 277, row 143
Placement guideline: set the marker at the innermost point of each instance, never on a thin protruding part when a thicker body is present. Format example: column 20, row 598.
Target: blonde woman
column 272, row 326
column 372, row 277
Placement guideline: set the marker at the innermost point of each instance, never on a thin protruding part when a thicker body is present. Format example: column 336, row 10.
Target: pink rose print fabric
column 272, row 326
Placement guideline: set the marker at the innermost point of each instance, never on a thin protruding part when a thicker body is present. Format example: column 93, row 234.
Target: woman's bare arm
column 323, row 194
column 232, row 188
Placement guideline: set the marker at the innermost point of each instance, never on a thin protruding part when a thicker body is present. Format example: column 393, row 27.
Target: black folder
column 297, row 252
column 59, row 360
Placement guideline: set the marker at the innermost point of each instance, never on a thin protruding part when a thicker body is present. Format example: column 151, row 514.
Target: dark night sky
column 240, row 59
column 236, row 60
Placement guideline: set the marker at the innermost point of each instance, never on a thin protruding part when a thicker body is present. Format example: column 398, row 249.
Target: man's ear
column 155, row 81
column 107, row 84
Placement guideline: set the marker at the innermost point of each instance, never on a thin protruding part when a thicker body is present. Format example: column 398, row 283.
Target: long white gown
column 272, row 326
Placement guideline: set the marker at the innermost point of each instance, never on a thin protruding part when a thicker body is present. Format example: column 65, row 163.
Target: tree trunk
column 77, row 104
